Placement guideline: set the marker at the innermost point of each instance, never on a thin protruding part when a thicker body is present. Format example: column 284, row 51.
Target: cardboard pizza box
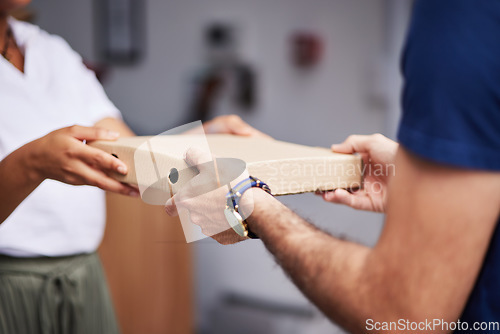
column 157, row 163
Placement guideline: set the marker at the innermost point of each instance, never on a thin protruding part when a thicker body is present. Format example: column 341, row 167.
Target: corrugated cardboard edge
column 351, row 176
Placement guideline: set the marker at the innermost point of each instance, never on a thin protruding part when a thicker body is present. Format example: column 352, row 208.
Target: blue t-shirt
column 451, row 107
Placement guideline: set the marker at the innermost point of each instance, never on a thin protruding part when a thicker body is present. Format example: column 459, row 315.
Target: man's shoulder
column 451, row 108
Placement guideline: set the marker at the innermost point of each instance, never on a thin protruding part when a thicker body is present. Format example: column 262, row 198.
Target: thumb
column 91, row 133
column 342, row 148
column 198, row 158
column 353, row 144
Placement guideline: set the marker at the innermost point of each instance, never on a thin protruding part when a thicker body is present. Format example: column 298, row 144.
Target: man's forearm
column 328, row 270
column 425, row 263
column 17, row 181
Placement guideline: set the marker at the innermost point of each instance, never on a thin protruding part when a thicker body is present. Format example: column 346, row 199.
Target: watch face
column 235, row 221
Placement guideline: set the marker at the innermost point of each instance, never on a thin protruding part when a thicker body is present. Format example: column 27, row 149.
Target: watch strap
column 234, row 195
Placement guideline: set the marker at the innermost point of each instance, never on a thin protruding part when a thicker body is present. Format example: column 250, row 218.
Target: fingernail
column 133, row 193
column 246, row 131
column 113, row 134
column 122, row 169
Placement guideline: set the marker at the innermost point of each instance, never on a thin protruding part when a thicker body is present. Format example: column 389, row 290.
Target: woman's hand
column 378, row 153
column 63, row 156
column 232, row 124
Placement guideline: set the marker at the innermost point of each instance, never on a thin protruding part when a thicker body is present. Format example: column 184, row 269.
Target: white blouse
column 55, row 91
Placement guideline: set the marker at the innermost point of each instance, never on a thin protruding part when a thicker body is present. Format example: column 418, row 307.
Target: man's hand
column 204, row 199
column 378, row 153
column 438, row 227
column 230, row 124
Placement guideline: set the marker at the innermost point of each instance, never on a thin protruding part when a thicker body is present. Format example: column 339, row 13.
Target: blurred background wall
column 354, row 88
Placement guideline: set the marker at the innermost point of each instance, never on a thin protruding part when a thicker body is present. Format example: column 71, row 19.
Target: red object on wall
column 306, row 49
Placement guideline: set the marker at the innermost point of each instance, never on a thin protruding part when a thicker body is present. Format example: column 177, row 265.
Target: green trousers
column 61, row 295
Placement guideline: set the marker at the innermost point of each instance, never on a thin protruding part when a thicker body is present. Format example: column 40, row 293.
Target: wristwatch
column 233, row 197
